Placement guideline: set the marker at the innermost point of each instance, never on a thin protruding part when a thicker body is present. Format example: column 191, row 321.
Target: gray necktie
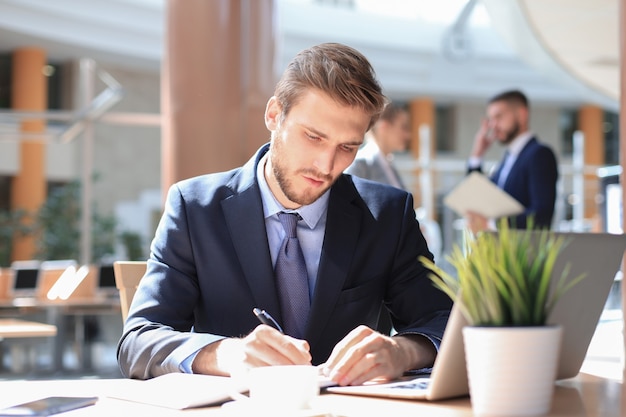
column 292, row 279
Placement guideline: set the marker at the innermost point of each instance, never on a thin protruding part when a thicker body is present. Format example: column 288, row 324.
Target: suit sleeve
column 416, row 305
column 157, row 335
column 542, row 177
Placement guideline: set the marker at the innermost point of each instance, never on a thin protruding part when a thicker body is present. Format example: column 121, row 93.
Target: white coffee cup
column 291, row 387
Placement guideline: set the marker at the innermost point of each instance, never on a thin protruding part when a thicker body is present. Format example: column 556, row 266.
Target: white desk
column 584, row 395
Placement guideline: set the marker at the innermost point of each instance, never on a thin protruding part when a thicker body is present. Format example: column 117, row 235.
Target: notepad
column 476, row 193
column 179, row 390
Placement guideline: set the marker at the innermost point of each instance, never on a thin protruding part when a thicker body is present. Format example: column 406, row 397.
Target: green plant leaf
column 505, row 279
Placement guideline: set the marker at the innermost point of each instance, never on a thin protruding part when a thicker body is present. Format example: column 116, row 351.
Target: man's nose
column 325, row 161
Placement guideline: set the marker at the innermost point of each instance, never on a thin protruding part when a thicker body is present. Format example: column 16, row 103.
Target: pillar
column 29, row 93
column 590, row 123
column 422, row 111
column 217, row 76
column 622, row 149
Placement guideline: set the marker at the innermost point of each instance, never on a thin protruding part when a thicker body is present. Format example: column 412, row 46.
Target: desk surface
column 15, row 328
column 585, row 395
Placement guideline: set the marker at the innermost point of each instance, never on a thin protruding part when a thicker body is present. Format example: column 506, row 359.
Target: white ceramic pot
column 511, row 370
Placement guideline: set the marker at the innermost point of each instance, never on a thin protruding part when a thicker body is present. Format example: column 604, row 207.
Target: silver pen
column 265, row 318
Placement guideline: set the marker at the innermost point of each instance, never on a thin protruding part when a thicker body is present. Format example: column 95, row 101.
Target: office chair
column 127, row 277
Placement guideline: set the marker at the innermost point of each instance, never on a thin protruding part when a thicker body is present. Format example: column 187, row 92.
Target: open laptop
column 598, row 255
column 105, row 287
column 25, row 279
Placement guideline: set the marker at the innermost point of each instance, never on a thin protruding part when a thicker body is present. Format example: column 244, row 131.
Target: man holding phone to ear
column 528, row 171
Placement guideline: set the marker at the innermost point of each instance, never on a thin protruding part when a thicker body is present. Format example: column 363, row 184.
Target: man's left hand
column 365, row 354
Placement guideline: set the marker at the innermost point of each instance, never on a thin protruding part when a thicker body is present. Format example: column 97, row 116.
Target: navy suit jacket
column 210, row 265
column 532, row 181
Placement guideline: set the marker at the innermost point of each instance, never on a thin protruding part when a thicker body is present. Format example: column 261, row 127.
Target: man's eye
column 312, row 137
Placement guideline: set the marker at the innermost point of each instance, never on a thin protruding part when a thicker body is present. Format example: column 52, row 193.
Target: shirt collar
column 311, row 214
column 516, row 146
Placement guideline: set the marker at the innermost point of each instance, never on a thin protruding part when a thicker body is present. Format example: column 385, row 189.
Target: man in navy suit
column 528, row 171
column 212, row 258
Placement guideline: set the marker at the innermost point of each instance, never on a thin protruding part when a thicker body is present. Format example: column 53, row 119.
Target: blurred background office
column 105, row 103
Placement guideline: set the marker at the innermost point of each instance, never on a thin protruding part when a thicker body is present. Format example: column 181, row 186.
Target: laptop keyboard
column 416, row 384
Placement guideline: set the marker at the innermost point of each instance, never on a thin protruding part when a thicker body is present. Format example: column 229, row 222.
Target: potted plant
column 506, row 290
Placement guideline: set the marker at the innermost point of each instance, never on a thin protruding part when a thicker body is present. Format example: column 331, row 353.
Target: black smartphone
column 48, row 406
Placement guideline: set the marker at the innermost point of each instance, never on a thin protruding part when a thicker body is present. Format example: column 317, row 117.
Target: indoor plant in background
column 505, row 289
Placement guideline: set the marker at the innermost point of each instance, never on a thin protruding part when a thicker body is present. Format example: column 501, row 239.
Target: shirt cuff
column 474, row 162
column 185, row 365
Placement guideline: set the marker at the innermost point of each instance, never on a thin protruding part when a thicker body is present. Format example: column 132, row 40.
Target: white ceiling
column 564, row 38
column 127, row 33
column 543, row 46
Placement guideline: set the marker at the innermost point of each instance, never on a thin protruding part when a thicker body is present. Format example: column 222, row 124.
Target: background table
column 16, row 328
column 56, row 312
column 11, row 328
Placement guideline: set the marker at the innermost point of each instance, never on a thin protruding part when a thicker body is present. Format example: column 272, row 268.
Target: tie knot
column 289, row 222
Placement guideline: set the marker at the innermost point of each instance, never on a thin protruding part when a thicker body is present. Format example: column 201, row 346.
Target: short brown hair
column 339, row 71
column 513, row 97
column 391, row 111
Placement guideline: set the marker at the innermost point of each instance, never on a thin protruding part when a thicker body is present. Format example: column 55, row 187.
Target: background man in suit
column 212, row 259
column 528, row 171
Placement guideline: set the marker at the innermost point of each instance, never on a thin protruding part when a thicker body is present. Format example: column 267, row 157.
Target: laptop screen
column 106, row 277
column 26, row 278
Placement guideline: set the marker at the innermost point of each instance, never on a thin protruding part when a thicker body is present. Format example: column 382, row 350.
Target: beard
column 284, row 178
column 511, row 134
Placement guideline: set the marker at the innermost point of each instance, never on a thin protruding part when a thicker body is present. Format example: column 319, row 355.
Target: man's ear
column 523, row 114
column 273, row 111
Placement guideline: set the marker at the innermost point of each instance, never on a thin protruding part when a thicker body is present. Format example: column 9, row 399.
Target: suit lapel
column 516, row 164
column 243, row 212
column 340, row 240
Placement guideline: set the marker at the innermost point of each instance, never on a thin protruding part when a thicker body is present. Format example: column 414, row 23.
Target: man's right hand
column 264, row 346
column 483, row 139
column 476, row 222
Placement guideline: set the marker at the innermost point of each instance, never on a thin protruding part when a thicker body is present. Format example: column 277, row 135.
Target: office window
column 5, row 192
column 58, row 82
column 444, row 128
column 568, row 124
column 5, row 81
column 54, row 73
column 611, row 138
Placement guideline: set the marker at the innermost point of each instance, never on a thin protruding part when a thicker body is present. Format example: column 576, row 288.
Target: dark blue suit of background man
column 528, row 171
